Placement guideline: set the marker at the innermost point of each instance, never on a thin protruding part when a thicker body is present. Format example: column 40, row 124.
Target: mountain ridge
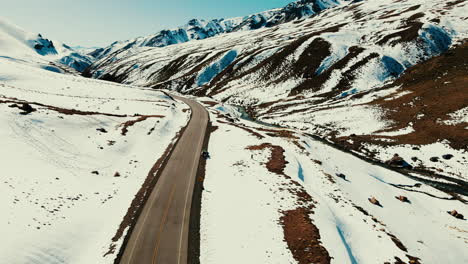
column 198, row 29
column 318, row 74
column 20, row 44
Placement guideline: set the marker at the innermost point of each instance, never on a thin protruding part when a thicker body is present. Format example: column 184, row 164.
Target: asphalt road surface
column 161, row 232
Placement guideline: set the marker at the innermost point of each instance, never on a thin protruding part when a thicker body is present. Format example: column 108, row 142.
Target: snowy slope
column 250, row 187
column 198, row 29
column 17, row 43
column 72, row 168
column 322, row 73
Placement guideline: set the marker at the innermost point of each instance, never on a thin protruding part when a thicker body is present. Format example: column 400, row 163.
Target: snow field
column 68, row 180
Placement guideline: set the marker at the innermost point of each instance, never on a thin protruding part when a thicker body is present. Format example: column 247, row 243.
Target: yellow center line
column 163, row 223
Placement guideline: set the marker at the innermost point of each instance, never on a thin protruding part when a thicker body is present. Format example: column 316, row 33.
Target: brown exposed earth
column 437, row 88
column 276, row 162
column 130, row 123
column 57, row 109
column 137, row 204
column 303, row 237
column 300, row 234
column 252, row 132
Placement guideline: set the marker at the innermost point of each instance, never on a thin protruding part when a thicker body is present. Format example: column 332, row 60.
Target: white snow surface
column 362, row 24
column 242, row 204
column 19, row 44
column 54, row 209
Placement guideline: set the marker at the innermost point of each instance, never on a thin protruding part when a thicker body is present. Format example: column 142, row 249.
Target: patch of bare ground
column 272, row 69
column 454, row 3
column 300, row 234
column 210, row 103
column 276, row 162
column 57, row 109
column 395, row 240
column 303, row 237
column 136, row 206
column 389, row 14
column 130, row 123
column 437, row 88
column 316, row 81
column 188, row 79
column 283, row 133
column 269, row 104
column 168, row 70
column 408, row 32
column 412, row 260
column 252, row 132
column 232, row 71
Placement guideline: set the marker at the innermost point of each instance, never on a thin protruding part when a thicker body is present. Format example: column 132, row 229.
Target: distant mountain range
column 328, row 67
column 198, row 29
column 80, row 58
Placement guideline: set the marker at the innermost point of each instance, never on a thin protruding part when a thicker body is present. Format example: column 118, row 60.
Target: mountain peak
column 197, row 29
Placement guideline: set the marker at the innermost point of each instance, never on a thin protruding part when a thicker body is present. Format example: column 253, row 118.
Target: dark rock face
column 447, row 156
column 341, row 175
column 393, row 67
column 402, row 198
column 434, row 159
column 43, row 46
column 76, row 61
column 25, row 107
column 102, row 130
column 397, row 161
column 455, row 214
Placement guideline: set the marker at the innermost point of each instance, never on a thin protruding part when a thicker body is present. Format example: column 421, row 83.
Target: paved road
column 161, row 233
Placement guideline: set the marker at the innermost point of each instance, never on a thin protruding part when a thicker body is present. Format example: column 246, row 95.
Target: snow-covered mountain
column 322, row 74
column 198, row 29
column 16, row 43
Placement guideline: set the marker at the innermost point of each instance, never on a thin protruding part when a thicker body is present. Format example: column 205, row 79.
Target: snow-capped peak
column 197, row 29
column 17, row 43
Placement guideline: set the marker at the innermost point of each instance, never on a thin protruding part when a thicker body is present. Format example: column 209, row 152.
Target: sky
column 98, row 23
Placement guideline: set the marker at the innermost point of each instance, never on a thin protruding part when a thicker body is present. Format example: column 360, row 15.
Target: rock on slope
column 319, row 73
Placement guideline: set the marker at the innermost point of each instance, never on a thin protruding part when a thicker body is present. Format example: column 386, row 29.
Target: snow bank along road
column 161, row 232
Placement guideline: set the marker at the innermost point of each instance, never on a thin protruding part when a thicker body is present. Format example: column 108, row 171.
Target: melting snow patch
column 348, row 248
column 300, row 172
column 458, row 117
